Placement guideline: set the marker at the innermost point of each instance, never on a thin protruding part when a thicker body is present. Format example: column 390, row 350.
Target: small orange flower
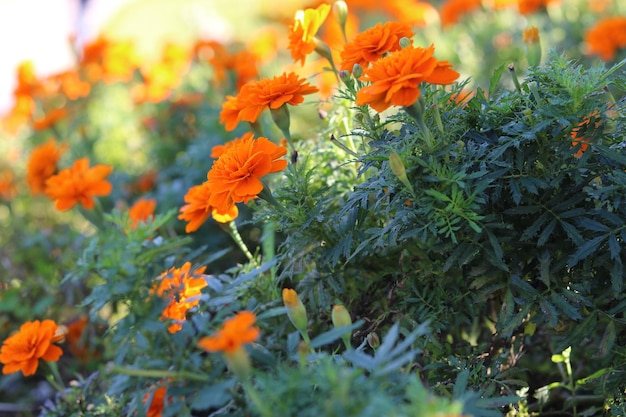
column 303, row 30
column 581, row 132
column 531, row 6
column 158, row 402
column 256, row 96
column 42, row 164
column 8, row 189
column 77, row 341
column 396, row 78
column 49, row 119
column 79, row 184
column 142, row 210
column 236, row 176
column 451, row 11
column 235, row 332
column 198, row 208
column 530, row 35
column 183, row 287
column 34, row 341
column 373, row 43
column 607, row 37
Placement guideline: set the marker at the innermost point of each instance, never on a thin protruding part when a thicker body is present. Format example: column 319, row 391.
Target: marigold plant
column 395, row 79
column 236, row 176
column 42, row 164
column 372, row 44
column 256, row 96
column 35, row 340
column 235, row 332
column 79, row 184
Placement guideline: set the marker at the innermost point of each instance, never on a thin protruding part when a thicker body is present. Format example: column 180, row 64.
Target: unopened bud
column 341, row 317
column 295, row 309
column 357, row 70
column 340, row 9
column 397, row 167
column 405, row 42
column 373, row 340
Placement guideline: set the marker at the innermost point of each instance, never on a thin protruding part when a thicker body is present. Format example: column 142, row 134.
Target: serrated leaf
column 617, row 276
column 593, row 225
column 614, row 247
column 578, row 332
column 585, row 250
column 546, row 233
column 565, row 307
column 607, row 342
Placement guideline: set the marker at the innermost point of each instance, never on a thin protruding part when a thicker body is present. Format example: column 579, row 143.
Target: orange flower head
column 531, row 35
column 183, row 287
column 395, row 79
column 198, row 208
column 531, row 6
column 142, row 210
column 42, row 164
column 303, row 30
column 451, row 11
column 49, row 119
column 22, row 350
column 235, row 176
column 236, row 332
column 8, row 188
column 372, row 44
column 256, row 96
column 158, row 402
column 607, row 37
column 79, row 184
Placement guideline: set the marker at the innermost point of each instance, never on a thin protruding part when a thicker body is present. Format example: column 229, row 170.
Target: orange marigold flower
column 303, row 30
column 256, row 96
column 373, row 43
column 607, row 37
column 183, row 287
column 235, row 332
column 141, row 211
column 198, row 208
column 42, row 164
column 8, row 188
column 34, row 341
column 451, row 11
column 49, row 119
column 531, row 6
column 236, row 176
column 396, row 78
column 158, row 402
column 77, row 341
column 79, row 184
column 580, row 134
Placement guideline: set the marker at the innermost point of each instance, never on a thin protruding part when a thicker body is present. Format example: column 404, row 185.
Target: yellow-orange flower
column 236, row 332
column 79, row 184
column 395, row 79
column 451, row 11
column 607, row 37
column 235, row 176
column 256, row 96
column 303, row 30
column 22, row 350
column 371, row 44
column 142, row 210
column 42, row 164
column 183, row 287
column 198, row 208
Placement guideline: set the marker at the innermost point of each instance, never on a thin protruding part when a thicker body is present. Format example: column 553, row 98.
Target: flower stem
column 234, row 232
column 157, row 373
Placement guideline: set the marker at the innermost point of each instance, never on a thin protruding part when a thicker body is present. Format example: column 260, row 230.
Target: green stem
column 55, row 379
column 234, row 232
column 256, row 399
column 157, row 373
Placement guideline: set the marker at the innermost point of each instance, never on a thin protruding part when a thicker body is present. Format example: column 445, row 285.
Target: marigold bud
column 340, row 318
column 357, row 70
column 405, row 42
column 397, row 167
column 533, row 47
column 373, row 340
column 295, row 309
column 340, row 9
